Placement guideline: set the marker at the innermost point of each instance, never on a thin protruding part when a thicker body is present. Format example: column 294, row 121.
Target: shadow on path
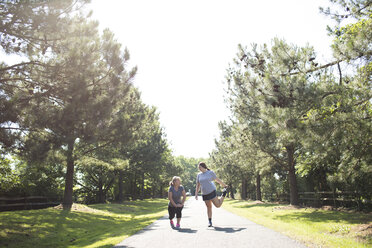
column 187, row 230
column 228, row 229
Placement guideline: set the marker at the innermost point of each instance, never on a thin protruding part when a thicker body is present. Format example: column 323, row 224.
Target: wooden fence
column 25, row 203
column 323, row 198
column 336, row 199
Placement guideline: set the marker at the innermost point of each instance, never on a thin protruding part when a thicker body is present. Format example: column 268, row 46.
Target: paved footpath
column 228, row 231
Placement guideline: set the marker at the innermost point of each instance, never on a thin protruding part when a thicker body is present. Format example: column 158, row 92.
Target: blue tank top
column 176, row 194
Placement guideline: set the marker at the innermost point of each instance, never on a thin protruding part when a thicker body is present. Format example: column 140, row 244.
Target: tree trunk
column 244, row 189
column 322, row 177
column 121, row 186
column 107, row 189
column 100, row 191
column 69, row 180
column 293, row 191
column 133, row 186
column 154, row 194
column 231, row 191
column 142, row 186
column 258, row 187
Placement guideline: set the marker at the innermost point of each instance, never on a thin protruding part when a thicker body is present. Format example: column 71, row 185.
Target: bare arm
column 197, row 190
column 183, row 197
column 220, row 182
column 170, row 194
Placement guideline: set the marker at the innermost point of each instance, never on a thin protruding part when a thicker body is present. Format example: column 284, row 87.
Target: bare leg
column 178, row 220
column 209, row 208
column 218, row 201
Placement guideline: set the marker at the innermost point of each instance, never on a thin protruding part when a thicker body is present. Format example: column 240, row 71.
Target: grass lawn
column 314, row 227
column 99, row 225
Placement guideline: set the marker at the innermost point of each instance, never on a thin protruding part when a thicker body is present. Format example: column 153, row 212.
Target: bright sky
column 183, row 48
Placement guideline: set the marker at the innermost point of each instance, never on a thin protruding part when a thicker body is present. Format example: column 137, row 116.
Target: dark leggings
column 174, row 211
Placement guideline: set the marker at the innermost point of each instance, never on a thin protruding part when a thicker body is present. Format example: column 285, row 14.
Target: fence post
column 334, row 197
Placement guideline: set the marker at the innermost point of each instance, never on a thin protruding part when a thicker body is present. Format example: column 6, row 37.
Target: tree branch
column 312, row 70
column 339, row 71
column 23, row 64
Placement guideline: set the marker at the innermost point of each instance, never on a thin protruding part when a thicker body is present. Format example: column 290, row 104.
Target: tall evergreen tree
column 270, row 91
column 29, row 28
column 79, row 96
column 340, row 127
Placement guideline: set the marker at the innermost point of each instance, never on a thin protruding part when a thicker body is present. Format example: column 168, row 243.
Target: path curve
column 229, row 231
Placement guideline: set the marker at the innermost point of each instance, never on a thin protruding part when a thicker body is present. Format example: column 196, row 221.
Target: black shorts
column 172, row 211
column 209, row 196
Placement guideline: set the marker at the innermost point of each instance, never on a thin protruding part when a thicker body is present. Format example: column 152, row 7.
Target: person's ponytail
column 171, row 183
column 202, row 164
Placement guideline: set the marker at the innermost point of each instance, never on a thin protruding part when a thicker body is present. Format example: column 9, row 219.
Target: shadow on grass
column 264, row 205
column 137, row 207
column 249, row 204
column 326, row 216
column 301, row 214
column 60, row 228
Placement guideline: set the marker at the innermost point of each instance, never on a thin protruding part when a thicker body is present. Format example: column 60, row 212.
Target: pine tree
column 29, row 28
column 79, row 95
column 270, row 92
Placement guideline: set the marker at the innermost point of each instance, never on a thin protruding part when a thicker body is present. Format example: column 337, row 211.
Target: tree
column 125, row 126
column 79, row 97
column 27, row 29
column 226, row 160
column 23, row 177
column 188, row 168
column 352, row 40
column 96, row 178
column 340, row 127
column 149, row 154
column 239, row 161
column 270, row 90
column 9, row 178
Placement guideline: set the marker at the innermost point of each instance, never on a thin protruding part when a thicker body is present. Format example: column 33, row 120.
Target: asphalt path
column 228, row 231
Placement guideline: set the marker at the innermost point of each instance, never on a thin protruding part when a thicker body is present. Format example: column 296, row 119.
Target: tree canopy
column 309, row 123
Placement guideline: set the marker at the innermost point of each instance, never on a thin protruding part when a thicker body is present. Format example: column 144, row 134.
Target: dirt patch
column 328, row 208
column 80, row 208
column 363, row 232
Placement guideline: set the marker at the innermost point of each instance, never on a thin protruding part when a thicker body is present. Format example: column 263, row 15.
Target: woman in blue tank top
column 204, row 180
column 175, row 204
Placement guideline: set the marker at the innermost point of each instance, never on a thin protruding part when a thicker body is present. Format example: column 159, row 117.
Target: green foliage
column 295, row 120
column 71, row 102
column 269, row 95
column 8, row 177
column 339, row 129
column 96, row 178
column 30, row 27
column 72, row 99
column 188, row 168
column 23, row 178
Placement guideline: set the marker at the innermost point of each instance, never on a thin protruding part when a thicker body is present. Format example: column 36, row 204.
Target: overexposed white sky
column 183, row 48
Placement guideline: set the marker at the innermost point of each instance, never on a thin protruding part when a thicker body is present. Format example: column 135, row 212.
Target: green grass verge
column 99, row 225
column 314, row 227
